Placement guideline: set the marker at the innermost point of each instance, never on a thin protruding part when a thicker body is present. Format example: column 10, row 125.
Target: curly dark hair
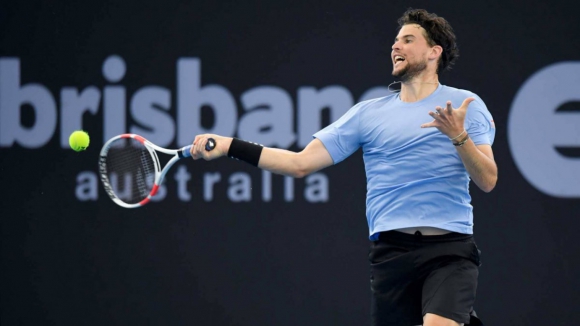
column 439, row 32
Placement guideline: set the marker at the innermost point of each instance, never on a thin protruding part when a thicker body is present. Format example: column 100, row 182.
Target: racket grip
column 184, row 152
column 210, row 144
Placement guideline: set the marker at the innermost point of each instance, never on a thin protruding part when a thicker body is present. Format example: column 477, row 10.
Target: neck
column 418, row 88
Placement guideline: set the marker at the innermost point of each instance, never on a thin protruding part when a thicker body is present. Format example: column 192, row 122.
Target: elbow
column 299, row 173
column 300, row 169
column 489, row 185
column 488, row 188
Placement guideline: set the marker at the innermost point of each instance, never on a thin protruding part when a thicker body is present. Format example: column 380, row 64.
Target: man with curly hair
column 421, row 147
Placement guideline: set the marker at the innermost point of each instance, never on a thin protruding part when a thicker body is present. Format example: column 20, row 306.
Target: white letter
column 191, row 97
column 72, row 107
column 288, row 189
column 310, row 104
column 87, row 187
column 114, row 68
column 114, row 102
column 209, row 179
column 12, row 97
column 146, row 109
column 240, row 187
column 270, row 119
column 266, row 185
column 535, row 129
column 182, row 176
column 316, row 188
column 114, row 112
column 375, row 92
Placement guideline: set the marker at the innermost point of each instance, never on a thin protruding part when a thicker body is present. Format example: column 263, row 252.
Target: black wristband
column 245, row 151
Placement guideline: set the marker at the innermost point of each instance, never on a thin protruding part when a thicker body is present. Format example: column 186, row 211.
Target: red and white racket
column 130, row 169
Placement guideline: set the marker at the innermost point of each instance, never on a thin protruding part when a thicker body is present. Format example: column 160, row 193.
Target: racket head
column 129, row 170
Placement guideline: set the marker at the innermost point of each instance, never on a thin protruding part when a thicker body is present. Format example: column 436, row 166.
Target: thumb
column 466, row 102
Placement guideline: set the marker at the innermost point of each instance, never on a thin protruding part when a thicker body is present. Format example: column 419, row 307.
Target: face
column 410, row 52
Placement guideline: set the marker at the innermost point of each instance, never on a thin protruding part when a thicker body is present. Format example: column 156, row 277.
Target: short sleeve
column 342, row 137
column 479, row 123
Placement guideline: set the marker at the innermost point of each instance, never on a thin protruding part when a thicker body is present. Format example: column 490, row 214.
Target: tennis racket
column 130, row 169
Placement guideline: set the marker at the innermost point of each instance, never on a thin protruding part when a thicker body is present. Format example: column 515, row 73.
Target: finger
column 195, row 147
column 193, row 153
column 204, row 152
column 435, row 115
column 204, row 146
column 440, row 110
column 449, row 108
column 196, row 139
column 429, row 124
column 199, row 146
column 466, row 102
column 192, row 148
column 196, row 151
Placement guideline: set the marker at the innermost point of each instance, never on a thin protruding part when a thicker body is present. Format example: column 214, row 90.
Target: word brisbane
column 237, row 186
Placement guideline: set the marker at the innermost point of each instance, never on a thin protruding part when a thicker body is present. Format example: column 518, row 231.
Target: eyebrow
column 404, row 36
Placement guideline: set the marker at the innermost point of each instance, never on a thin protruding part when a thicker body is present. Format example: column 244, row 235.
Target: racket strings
column 131, row 170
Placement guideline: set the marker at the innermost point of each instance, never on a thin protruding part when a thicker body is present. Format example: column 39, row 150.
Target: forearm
column 280, row 161
column 481, row 167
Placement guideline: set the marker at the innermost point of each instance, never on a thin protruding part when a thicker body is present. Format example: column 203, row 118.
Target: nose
column 396, row 46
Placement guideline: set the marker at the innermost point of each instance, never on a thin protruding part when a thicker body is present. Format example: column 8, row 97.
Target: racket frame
column 159, row 173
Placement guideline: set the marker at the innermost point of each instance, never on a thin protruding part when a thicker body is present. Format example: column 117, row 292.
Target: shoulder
column 458, row 95
column 458, row 92
column 369, row 105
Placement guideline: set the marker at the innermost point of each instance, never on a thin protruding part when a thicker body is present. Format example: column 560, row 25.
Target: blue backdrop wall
column 227, row 244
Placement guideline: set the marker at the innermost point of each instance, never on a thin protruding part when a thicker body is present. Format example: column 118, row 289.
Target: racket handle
column 210, row 144
column 184, row 151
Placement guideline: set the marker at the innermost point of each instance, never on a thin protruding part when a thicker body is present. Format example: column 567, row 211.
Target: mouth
column 398, row 59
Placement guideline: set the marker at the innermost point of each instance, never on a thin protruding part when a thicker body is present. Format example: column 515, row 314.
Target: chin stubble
column 410, row 71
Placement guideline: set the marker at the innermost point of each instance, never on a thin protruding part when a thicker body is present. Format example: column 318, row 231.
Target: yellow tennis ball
column 79, row 140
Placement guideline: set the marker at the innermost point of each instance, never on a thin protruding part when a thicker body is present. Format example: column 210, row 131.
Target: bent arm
column 311, row 159
column 480, row 164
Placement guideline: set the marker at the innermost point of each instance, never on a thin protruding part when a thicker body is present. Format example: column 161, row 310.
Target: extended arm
column 312, row 158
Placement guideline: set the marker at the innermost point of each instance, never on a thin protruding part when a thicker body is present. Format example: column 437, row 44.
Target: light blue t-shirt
column 415, row 176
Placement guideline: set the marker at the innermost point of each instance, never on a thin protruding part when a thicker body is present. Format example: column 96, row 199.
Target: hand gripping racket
column 130, row 169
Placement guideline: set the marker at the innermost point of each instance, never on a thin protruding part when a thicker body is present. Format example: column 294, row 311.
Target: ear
column 435, row 52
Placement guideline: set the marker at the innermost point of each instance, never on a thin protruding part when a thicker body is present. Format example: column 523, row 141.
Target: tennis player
column 421, row 146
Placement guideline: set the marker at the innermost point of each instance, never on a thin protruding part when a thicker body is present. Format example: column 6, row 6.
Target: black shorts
column 412, row 275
